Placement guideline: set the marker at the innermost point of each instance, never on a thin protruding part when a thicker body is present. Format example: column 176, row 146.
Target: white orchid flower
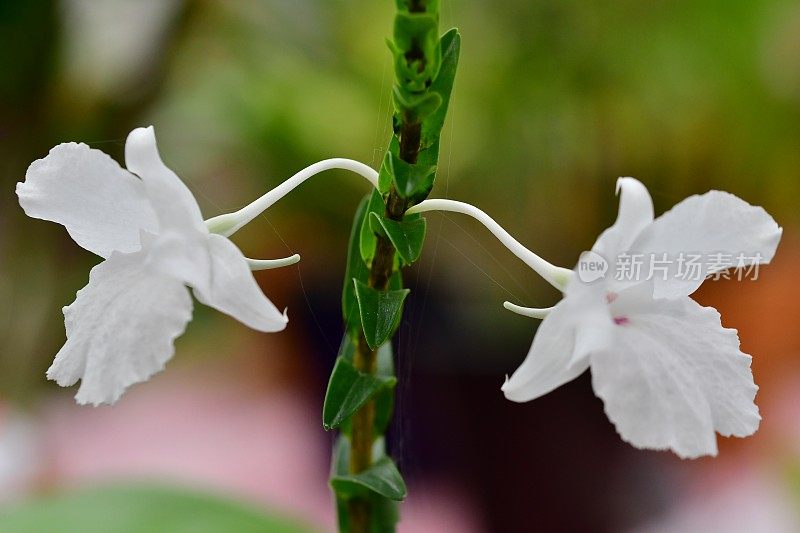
column 147, row 226
column 667, row 371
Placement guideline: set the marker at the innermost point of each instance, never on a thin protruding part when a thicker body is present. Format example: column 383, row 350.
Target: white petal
column 120, row 328
column 635, row 214
column 102, row 205
column 234, row 291
column 182, row 255
column 551, row 361
column 173, row 202
column 673, row 376
column 711, row 223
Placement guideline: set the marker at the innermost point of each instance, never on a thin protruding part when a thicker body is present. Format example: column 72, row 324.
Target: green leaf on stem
column 375, row 225
column 367, row 241
column 383, row 397
column 407, row 236
column 415, row 107
column 385, row 174
column 450, row 45
column 356, row 269
column 340, row 463
column 380, row 312
column 383, row 511
column 348, row 390
column 412, row 183
column 384, row 515
column 381, row 478
column 410, row 179
column 415, row 49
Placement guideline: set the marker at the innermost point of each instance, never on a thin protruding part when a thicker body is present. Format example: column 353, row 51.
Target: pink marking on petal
column 621, row 320
column 611, row 296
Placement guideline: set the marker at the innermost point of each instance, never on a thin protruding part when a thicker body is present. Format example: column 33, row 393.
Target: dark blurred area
column 553, row 101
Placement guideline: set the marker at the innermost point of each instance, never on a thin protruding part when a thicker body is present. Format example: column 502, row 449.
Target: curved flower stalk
column 558, row 277
column 230, row 223
column 669, row 374
column 147, row 226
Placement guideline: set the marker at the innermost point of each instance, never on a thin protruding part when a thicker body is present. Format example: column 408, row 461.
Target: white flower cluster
column 669, row 374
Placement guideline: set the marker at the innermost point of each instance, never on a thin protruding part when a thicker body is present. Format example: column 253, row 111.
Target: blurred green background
column 554, row 100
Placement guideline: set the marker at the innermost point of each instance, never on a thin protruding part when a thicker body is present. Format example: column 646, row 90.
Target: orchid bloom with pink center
column 669, row 374
column 667, row 371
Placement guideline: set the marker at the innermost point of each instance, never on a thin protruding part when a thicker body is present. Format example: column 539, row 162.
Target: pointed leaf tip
column 380, row 312
column 382, row 478
column 407, row 236
column 348, row 390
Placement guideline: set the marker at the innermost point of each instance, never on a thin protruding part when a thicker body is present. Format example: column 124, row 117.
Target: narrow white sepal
column 531, row 312
column 267, row 264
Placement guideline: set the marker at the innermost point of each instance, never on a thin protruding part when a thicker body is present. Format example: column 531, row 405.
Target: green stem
column 419, row 105
column 365, row 358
